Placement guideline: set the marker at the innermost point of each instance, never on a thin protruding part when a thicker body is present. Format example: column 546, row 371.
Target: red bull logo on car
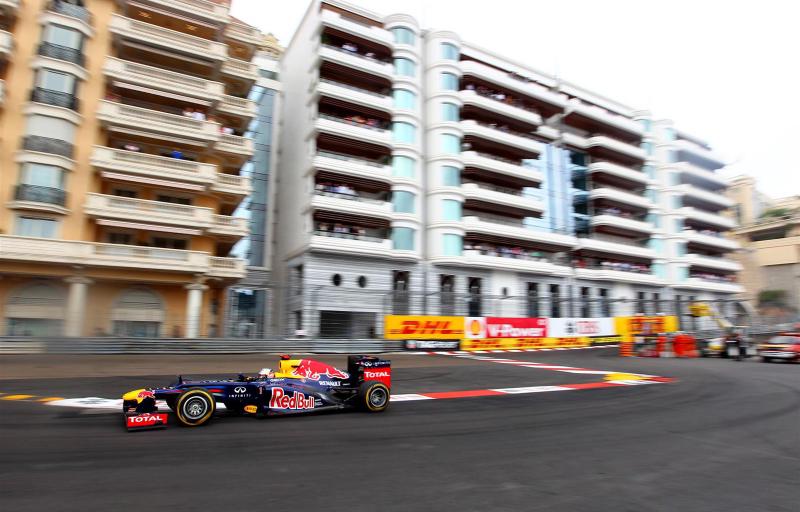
column 309, row 369
column 280, row 400
column 146, row 394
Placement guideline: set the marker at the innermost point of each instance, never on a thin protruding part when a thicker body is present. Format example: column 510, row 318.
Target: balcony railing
column 342, row 156
column 350, row 236
column 48, row 145
column 240, row 68
column 349, row 197
column 238, row 106
column 152, row 76
column 57, row 51
column 352, row 123
column 354, row 54
column 172, row 40
column 56, row 98
column 72, row 10
column 152, row 165
column 39, row 194
column 352, row 88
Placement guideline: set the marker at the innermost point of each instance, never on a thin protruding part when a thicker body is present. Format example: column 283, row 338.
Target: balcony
column 520, row 263
column 608, row 247
column 225, row 225
column 41, row 250
column 500, row 165
column 371, row 33
column 211, row 11
column 241, row 69
column 616, row 147
column 516, row 231
column 339, row 243
column 621, row 223
column 619, row 276
column 507, row 138
column 367, row 65
column 503, row 79
column 352, row 94
column 352, row 166
column 619, row 171
column 469, row 97
column 715, row 241
column 707, row 157
column 6, row 44
column 71, row 10
column 506, row 197
column 696, row 283
column 241, row 107
column 232, row 184
column 338, row 126
column 9, row 7
column 138, row 118
column 351, row 205
column 705, row 196
column 55, row 98
column 621, row 197
column 693, row 172
column 708, row 218
column 41, row 144
column 38, row 194
column 603, row 116
column 244, row 33
column 141, row 210
column 235, row 144
column 158, row 78
column 152, row 166
column 170, row 40
column 696, row 260
column 65, row 53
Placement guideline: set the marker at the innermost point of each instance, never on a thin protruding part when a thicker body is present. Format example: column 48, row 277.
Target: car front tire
column 195, row 407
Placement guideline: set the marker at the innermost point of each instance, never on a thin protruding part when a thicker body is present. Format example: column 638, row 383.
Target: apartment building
column 121, row 143
column 422, row 173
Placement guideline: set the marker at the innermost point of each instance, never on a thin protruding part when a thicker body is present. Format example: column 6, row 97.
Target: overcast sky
column 726, row 71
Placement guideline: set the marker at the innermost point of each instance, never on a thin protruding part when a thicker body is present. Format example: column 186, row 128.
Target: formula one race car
column 298, row 386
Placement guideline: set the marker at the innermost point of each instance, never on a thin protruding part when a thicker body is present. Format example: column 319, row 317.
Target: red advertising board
column 497, row 327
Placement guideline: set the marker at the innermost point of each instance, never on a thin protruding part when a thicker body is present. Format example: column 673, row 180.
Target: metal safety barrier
column 13, row 345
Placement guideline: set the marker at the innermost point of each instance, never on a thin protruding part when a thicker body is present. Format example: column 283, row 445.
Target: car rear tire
column 195, row 407
column 373, row 396
column 766, row 359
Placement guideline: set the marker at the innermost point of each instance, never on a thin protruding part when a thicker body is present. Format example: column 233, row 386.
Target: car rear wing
column 369, row 368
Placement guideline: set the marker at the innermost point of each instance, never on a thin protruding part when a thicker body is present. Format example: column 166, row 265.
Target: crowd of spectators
column 616, row 212
column 508, row 99
column 369, row 122
column 336, row 188
column 622, row 266
column 713, row 277
column 504, row 251
column 340, row 230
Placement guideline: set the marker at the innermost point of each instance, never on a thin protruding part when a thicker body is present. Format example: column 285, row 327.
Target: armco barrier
column 191, row 346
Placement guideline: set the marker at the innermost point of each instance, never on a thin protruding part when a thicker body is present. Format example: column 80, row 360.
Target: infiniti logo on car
column 240, row 389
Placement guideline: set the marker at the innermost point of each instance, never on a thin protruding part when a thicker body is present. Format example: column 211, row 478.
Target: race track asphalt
column 724, row 437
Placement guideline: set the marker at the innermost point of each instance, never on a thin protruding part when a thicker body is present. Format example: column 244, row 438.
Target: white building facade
column 420, row 174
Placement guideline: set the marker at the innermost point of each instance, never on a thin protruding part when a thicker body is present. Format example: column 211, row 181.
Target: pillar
column 194, row 305
column 76, row 305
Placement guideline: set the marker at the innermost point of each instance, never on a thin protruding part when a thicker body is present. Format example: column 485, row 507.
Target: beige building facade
column 121, row 143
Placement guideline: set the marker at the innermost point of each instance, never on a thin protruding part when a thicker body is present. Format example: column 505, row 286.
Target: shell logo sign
column 475, row 327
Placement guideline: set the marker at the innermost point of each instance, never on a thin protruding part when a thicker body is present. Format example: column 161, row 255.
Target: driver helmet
column 266, row 373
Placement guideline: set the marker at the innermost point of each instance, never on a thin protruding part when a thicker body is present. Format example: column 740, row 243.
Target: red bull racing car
column 298, row 386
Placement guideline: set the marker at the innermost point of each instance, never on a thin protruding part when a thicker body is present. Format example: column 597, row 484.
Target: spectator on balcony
column 350, row 47
column 227, row 130
column 188, row 112
column 323, row 226
column 175, row 153
column 131, row 147
column 199, row 115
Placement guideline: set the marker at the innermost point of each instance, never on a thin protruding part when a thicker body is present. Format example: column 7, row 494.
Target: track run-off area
column 488, row 431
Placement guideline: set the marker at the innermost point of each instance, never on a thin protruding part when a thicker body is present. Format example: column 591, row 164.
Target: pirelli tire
column 195, row 407
column 373, row 396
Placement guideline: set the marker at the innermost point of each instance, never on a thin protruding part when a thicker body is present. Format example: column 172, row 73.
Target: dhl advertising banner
column 630, row 326
column 522, row 343
column 411, row 327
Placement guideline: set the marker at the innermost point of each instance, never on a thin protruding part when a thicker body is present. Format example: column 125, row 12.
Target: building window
column 605, row 305
column 450, row 51
column 170, row 243
column 650, row 171
column 451, row 210
column 677, row 202
column 654, row 219
column 532, row 309
column 555, row 301
column 400, row 292
column 404, row 99
column 450, row 112
column 403, row 202
column 680, row 248
column 404, row 36
column 120, row 238
column 451, row 144
column 585, row 304
column 362, row 282
column 447, row 296
column 56, row 81
column 405, row 67
column 173, row 199
column 51, row 128
column 656, row 245
column 646, row 124
column 474, row 287
column 678, row 225
column 36, row 226
column 404, row 133
column 403, row 167
column 42, row 175
column 336, row 279
column 449, row 82
column 63, row 36
column 452, row 245
column 648, row 148
column 403, row 239
column 451, row 176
